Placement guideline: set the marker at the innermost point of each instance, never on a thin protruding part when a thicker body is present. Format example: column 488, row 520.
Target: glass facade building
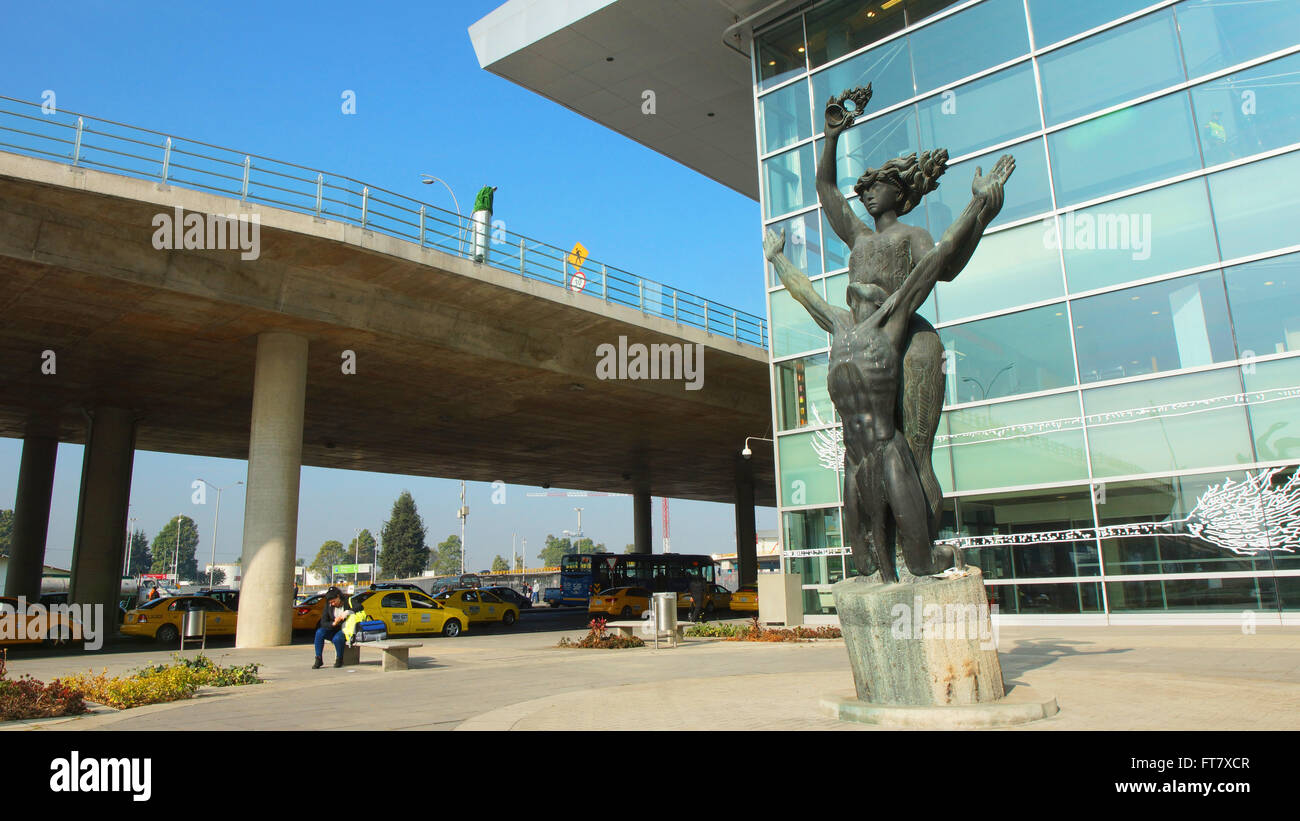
column 1121, row 427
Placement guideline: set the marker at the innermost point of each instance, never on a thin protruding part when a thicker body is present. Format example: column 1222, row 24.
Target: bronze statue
column 886, row 375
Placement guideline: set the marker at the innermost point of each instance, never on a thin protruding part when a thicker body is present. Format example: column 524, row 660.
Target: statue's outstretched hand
column 989, row 189
column 773, row 244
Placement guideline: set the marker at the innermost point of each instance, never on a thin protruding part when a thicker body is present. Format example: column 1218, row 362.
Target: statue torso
column 883, row 259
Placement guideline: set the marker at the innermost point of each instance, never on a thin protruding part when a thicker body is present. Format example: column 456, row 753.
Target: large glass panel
column 1172, row 424
column 802, row 245
column 1137, row 58
column 942, row 52
column 986, row 112
column 1195, row 595
column 871, row 144
column 1273, row 397
column 1044, row 599
column 1124, row 149
column 1029, row 194
column 793, row 328
column 1160, row 526
column 1053, row 20
column 834, row 252
column 1280, row 506
column 1249, row 112
column 888, row 68
column 1265, row 301
column 1028, row 442
column 810, row 468
column 1004, row 355
column 843, row 26
column 1050, row 529
column 1255, row 205
column 785, row 117
column 1217, row 34
column 1144, row 235
column 1008, row 268
column 801, row 396
column 1164, row 326
column 791, row 181
column 780, row 53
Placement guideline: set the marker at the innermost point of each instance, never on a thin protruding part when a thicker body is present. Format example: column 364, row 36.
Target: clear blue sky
column 267, row 78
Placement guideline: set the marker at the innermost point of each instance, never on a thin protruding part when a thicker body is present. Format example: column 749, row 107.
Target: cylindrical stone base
column 923, row 643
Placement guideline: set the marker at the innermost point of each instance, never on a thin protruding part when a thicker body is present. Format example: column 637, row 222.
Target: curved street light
column 429, row 179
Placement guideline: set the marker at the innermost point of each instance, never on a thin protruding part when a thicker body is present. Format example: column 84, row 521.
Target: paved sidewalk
column 1104, row 678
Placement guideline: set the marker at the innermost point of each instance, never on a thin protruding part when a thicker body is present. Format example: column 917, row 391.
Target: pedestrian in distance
column 330, row 627
column 699, row 591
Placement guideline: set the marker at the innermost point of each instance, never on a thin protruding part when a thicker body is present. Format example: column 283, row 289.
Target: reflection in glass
column 1216, row 34
column 802, row 245
column 985, row 112
column 793, row 328
column 1176, row 423
column 1120, row 64
column 1273, row 397
column 1045, row 599
column 1045, row 512
column 1008, row 444
column 842, row 27
column 1164, row 326
column 791, row 180
column 869, row 144
column 805, row 478
column 780, row 53
column 1029, row 196
column 1005, row 355
column 1008, row 268
column 1249, row 112
column 888, row 68
column 801, row 397
column 1155, row 232
column 1124, row 149
column 1192, row 595
column 1265, row 301
column 1054, row 21
column 785, row 117
column 1255, row 205
column 942, row 51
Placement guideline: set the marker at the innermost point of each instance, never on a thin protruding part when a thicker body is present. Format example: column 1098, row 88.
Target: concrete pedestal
column 919, row 644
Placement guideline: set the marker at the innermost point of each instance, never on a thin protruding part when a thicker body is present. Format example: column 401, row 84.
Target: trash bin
column 665, row 607
column 194, row 626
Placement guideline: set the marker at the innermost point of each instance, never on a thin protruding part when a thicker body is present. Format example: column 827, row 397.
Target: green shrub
column 598, row 638
column 25, row 697
column 161, row 683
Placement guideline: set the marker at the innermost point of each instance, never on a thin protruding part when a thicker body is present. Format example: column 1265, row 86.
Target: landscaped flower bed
column 25, row 697
column 161, row 683
column 756, row 632
column 599, row 639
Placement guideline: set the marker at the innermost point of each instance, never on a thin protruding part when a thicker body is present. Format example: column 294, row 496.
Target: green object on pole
column 483, row 201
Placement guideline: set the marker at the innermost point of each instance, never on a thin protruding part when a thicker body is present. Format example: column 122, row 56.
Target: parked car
column 227, row 596
column 719, row 598
column 396, row 586
column 306, row 613
column 162, row 619
column 745, row 598
column 626, row 602
column 405, row 612
column 553, row 596
column 28, row 629
column 513, row 596
column 481, row 606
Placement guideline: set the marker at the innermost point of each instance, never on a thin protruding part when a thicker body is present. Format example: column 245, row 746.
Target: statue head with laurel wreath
column 900, row 183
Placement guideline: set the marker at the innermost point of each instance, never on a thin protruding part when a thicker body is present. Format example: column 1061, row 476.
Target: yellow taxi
column 481, row 605
column 162, row 619
column 409, row 611
column 306, row 613
column 745, row 598
column 627, row 602
column 33, row 627
column 719, row 598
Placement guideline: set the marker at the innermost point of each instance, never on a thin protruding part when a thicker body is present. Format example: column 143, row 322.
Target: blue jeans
column 333, row 634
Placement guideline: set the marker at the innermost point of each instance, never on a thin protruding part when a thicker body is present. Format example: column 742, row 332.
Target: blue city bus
column 584, row 574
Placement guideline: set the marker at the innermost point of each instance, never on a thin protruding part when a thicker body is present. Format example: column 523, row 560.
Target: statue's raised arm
column 800, row 287
column 840, row 113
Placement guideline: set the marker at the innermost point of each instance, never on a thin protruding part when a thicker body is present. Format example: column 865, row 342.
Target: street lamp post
column 176, row 555
column 216, row 521
column 429, row 179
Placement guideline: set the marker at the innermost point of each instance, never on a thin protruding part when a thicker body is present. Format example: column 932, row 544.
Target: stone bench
column 397, row 654
column 631, row 628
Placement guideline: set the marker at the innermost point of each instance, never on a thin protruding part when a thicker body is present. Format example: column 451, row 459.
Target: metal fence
column 83, row 141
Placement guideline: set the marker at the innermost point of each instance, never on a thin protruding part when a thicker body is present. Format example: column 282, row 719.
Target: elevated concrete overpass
column 461, row 370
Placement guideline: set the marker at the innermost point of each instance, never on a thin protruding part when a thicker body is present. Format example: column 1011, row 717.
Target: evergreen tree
column 6, row 531
column 164, row 549
column 405, row 553
column 140, row 560
column 500, row 565
column 446, row 561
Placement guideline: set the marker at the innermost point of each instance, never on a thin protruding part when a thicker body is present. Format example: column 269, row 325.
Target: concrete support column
column 746, row 542
column 271, row 506
column 100, row 542
column 31, row 517
column 641, row 521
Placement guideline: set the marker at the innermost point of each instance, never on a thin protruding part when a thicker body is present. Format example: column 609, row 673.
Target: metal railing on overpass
column 83, row 141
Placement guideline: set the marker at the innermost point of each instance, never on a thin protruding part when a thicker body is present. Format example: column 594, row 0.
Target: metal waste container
column 195, row 626
column 665, row 617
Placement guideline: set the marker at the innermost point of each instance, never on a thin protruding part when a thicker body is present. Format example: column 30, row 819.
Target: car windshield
column 151, row 603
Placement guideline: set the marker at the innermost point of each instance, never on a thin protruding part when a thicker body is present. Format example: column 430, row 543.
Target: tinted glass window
column 1031, row 512
column 393, row 600
column 887, row 68
column 785, row 117
column 843, row 26
column 942, row 52
column 1030, row 441
column 1273, row 394
column 419, row 601
column 1255, row 205
column 1249, row 112
column 489, row 598
column 1216, row 34
column 985, row 112
column 1054, row 21
column 793, row 328
column 791, row 181
column 808, row 469
column 870, row 145
column 1265, row 301
column 470, row 596
column 1004, row 355
column 780, row 53
column 802, row 244
column 1029, row 194
column 1008, row 268
column 802, row 397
